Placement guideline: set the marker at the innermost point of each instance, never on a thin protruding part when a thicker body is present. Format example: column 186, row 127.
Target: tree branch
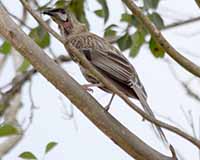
column 180, row 23
column 198, row 3
column 109, row 85
column 71, row 89
column 18, row 81
column 158, row 37
column 40, row 21
column 11, row 118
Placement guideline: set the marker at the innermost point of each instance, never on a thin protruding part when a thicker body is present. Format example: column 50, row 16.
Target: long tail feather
column 138, row 90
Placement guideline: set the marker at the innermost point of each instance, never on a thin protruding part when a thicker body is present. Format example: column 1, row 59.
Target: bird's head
column 66, row 21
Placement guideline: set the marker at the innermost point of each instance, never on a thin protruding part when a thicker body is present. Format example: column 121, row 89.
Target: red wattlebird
column 108, row 60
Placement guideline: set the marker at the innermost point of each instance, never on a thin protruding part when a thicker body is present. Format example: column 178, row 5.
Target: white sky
column 79, row 138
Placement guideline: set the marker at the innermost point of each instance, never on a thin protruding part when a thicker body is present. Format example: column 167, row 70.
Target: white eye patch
column 62, row 16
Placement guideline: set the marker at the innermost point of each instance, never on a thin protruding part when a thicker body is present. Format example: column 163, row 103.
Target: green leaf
column 156, row 49
column 40, row 36
column 99, row 13
column 109, row 31
column 27, row 155
column 105, row 9
column 125, row 17
column 150, row 4
column 2, row 107
column 61, row 3
column 124, row 42
column 5, row 47
column 111, row 26
column 128, row 18
column 24, row 66
column 7, row 130
column 138, row 39
column 77, row 7
column 50, row 146
column 157, row 20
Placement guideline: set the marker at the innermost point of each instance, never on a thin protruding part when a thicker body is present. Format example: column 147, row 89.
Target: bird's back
column 108, row 60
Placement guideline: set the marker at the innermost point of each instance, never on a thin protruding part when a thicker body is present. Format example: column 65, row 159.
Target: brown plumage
column 108, row 60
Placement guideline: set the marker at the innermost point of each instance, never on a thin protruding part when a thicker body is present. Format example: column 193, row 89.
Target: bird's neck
column 75, row 30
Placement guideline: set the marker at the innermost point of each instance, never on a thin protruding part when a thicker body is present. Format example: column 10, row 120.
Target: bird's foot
column 87, row 88
column 106, row 108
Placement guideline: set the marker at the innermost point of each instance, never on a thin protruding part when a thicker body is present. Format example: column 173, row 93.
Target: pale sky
column 79, row 138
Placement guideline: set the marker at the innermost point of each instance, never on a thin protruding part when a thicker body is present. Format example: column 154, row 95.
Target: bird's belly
column 121, row 86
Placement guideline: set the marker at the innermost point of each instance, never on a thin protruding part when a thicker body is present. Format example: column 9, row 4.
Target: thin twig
column 19, row 80
column 2, row 62
column 180, row 23
column 21, row 21
column 185, row 85
column 11, row 118
column 33, row 106
column 40, row 21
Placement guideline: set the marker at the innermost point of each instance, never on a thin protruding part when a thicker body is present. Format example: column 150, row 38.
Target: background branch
column 11, row 118
column 180, row 23
column 19, row 80
column 158, row 37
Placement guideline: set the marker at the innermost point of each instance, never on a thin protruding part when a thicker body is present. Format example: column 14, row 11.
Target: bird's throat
column 67, row 25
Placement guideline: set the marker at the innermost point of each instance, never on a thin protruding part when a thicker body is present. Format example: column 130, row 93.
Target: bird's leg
column 87, row 86
column 107, row 107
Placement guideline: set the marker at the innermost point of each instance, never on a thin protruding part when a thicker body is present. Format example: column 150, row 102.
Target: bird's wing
column 116, row 66
column 120, row 69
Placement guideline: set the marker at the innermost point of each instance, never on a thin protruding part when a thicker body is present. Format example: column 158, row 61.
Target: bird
column 104, row 57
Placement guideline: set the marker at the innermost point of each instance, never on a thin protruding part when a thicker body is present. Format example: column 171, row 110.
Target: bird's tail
column 142, row 98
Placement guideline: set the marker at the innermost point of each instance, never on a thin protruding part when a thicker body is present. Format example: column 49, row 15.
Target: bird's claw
column 88, row 89
column 106, row 108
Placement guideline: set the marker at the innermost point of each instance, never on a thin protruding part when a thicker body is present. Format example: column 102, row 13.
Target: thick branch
column 71, row 89
column 86, row 64
column 158, row 37
column 198, row 3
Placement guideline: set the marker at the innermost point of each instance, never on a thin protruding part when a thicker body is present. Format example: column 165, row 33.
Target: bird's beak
column 49, row 12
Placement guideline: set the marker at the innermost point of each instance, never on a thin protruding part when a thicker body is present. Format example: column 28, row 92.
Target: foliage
column 40, row 36
column 7, row 130
column 156, row 49
column 110, row 30
column 5, row 48
column 29, row 155
column 24, row 66
column 104, row 12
